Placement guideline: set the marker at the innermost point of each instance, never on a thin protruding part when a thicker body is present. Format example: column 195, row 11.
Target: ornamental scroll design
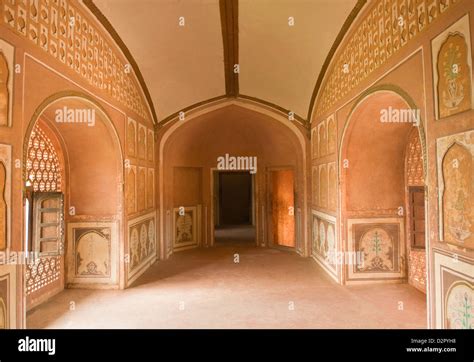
column 62, row 30
column 388, row 26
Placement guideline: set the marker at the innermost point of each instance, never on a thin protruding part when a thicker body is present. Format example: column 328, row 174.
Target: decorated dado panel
column 4, row 301
column 61, row 29
column 386, row 28
column 451, row 52
column 454, row 291
column 380, row 244
column 186, row 230
column 93, row 251
column 455, row 163
column 8, row 296
column 141, row 243
column 324, row 242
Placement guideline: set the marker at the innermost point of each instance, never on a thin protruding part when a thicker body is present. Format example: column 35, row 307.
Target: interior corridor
column 204, row 288
column 237, row 164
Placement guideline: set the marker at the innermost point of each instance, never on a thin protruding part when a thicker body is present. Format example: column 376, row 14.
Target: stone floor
column 204, row 288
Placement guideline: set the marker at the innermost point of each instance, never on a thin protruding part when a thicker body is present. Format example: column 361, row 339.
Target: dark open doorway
column 234, row 206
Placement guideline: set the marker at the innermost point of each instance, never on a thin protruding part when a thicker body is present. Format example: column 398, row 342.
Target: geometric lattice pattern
column 415, row 174
column 42, row 163
column 43, row 271
column 60, row 29
column 387, row 27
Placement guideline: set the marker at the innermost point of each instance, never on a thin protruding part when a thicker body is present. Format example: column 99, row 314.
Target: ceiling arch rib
column 187, row 50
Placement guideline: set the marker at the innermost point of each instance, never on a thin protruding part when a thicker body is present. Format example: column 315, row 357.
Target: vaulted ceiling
column 186, row 65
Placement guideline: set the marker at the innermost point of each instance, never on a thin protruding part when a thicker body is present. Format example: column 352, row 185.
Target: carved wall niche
column 131, row 137
column 455, row 163
column 380, row 244
column 141, row 189
column 315, row 185
column 131, row 189
column 324, row 242
column 142, row 248
column 150, row 194
column 5, row 196
column 454, row 291
column 332, row 135
column 322, row 139
column 332, row 186
column 93, row 252
column 314, row 143
column 6, row 82
column 150, row 145
column 323, row 186
column 453, row 69
column 141, row 141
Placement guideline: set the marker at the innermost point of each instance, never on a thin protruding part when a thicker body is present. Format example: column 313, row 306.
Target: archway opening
column 228, row 140
column 73, row 198
column 382, row 181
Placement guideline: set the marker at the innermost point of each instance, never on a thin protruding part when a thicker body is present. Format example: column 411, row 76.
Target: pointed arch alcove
column 91, row 202
column 374, row 208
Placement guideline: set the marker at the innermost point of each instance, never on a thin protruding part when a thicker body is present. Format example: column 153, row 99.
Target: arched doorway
column 382, row 142
column 189, row 163
column 73, row 198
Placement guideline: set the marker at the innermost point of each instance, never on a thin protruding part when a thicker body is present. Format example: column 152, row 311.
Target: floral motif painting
column 456, row 188
column 324, row 241
column 459, row 310
column 142, row 242
column 379, row 244
column 185, row 221
column 452, row 69
column 454, row 77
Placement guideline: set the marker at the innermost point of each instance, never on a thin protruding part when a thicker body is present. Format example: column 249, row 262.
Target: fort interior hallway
column 236, row 163
column 206, row 289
